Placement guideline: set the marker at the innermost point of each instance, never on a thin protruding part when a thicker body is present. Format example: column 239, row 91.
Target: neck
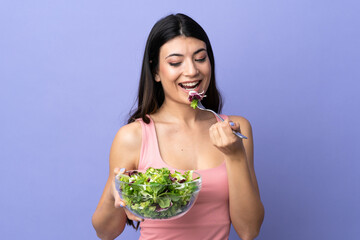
column 181, row 113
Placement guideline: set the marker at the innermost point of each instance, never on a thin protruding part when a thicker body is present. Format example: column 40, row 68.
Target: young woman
column 165, row 131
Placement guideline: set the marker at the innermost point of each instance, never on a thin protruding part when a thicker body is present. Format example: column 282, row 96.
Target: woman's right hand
column 118, row 202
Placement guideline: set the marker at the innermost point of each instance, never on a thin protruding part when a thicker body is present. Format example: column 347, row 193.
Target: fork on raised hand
column 201, row 107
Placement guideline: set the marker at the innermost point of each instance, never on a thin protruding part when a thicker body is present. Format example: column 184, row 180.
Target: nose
column 190, row 69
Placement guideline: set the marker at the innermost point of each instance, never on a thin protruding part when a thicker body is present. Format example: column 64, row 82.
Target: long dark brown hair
column 150, row 93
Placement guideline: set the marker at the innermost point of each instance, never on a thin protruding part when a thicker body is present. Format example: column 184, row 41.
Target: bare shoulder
column 125, row 149
column 129, row 135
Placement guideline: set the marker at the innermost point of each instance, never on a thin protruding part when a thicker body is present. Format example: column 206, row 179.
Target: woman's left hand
column 224, row 139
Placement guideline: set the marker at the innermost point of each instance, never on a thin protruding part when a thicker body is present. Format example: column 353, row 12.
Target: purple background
column 69, row 72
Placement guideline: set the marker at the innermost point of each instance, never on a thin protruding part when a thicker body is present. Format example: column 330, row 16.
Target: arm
column 109, row 218
column 246, row 209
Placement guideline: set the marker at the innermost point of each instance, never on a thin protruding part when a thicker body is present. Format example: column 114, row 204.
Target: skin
column 188, row 139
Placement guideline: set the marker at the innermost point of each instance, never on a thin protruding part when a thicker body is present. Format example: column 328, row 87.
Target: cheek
column 206, row 67
column 168, row 73
column 207, row 74
column 207, row 70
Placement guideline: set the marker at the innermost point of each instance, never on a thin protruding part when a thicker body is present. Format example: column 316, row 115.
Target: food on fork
column 195, row 97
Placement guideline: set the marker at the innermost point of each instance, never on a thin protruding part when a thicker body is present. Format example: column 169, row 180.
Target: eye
column 175, row 64
column 201, row 59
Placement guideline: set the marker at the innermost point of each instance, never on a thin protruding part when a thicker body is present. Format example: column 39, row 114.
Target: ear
column 157, row 78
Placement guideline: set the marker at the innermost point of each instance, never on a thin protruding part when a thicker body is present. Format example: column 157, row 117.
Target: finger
column 119, row 170
column 225, row 126
column 132, row 216
column 119, row 203
column 214, row 134
column 224, row 132
column 235, row 126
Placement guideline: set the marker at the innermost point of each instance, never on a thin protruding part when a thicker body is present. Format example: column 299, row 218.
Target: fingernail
column 121, row 205
column 232, row 124
column 122, row 170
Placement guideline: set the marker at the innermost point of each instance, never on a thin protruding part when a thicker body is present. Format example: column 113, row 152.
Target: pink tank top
column 209, row 218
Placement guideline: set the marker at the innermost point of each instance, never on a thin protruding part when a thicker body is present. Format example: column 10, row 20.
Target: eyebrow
column 180, row 55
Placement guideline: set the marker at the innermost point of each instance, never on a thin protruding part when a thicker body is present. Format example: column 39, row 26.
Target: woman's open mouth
column 189, row 86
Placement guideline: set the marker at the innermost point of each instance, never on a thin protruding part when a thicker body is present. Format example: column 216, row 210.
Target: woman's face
column 183, row 66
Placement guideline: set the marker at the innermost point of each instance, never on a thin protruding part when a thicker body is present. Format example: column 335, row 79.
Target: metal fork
column 201, row 107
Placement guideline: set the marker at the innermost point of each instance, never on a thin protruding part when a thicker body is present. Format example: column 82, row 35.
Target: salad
column 158, row 193
column 195, row 97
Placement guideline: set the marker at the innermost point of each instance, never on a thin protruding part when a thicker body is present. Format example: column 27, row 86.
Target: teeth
column 189, row 85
